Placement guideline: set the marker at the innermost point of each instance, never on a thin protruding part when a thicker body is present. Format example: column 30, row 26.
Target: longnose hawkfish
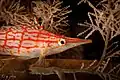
column 31, row 43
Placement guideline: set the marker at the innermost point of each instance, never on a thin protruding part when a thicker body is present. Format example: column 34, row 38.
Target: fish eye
column 61, row 42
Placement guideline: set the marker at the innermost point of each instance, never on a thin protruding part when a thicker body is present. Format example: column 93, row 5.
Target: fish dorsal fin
column 41, row 27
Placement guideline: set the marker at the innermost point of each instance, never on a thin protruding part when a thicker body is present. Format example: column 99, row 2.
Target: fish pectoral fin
column 42, row 56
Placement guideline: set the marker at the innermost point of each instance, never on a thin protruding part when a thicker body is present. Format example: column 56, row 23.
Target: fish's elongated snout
column 77, row 40
column 69, row 43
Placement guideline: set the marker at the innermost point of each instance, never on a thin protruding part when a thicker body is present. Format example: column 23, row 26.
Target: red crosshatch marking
column 40, row 36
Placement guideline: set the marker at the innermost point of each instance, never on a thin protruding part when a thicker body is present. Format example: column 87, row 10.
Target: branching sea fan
column 49, row 14
column 105, row 19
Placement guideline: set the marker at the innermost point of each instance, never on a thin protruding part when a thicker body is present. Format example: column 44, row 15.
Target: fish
column 28, row 42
